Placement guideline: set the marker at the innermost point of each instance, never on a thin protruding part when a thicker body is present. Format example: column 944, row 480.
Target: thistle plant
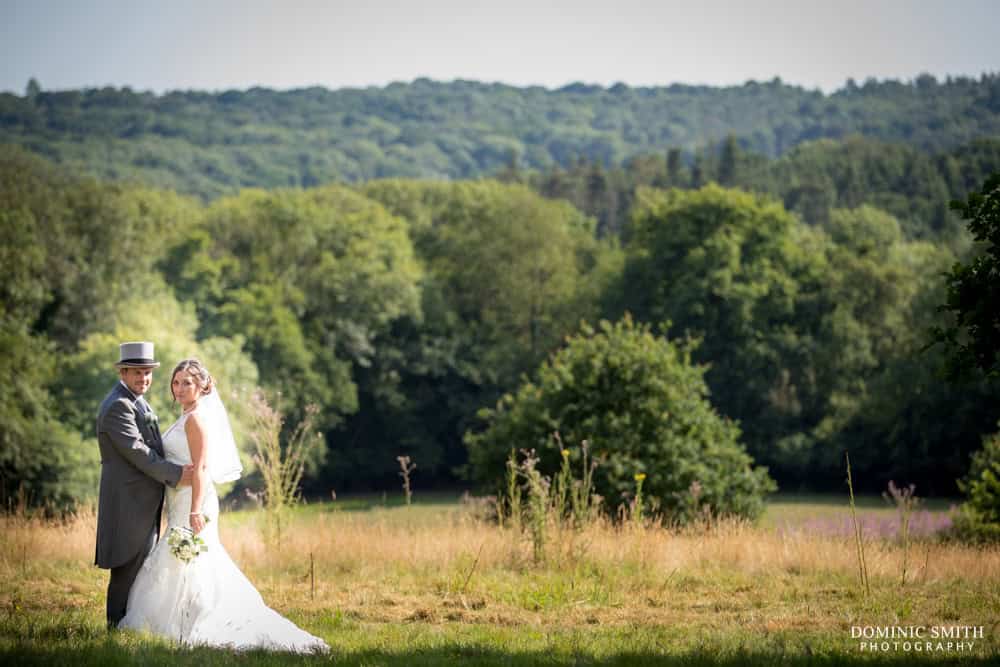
column 690, row 509
column 640, row 477
column 280, row 466
column 513, row 495
column 561, row 490
column 405, row 469
column 538, row 503
column 583, row 500
column 906, row 502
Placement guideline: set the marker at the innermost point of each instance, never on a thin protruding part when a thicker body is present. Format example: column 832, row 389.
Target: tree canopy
column 974, row 288
column 212, row 144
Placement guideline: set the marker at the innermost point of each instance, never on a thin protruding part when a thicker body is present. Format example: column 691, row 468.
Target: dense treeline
column 403, row 307
column 813, row 336
column 211, row 144
column 811, row 180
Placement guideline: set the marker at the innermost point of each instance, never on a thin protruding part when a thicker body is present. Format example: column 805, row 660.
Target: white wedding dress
column 207, row 601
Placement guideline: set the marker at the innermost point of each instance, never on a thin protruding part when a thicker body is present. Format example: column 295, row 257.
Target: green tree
column 886, row 403
column 698, row 178
column 740, row 272
column 92, row 243
column 643, row 407
column 728, row 161
column 978, row 519
column 40, row 456
column 507, row 274
column 974, row 288
column 32, row 90
column 309, row 278
column 674, row 167
column 517, row 269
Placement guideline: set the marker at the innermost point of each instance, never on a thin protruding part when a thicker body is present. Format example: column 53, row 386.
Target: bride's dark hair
column 198, row 371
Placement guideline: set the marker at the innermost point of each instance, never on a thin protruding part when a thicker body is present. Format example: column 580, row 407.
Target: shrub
column 978, row 520
column 643, row 407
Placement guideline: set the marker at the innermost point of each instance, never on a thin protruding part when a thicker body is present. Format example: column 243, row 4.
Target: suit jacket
column 133, row 474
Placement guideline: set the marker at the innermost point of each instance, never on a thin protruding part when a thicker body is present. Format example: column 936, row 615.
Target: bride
column 206, row 601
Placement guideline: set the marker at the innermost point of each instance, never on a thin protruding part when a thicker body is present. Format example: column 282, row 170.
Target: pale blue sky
column 185, row 44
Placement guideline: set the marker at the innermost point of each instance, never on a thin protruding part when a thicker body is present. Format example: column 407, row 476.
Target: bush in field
column 643, row 407
column 978, row 520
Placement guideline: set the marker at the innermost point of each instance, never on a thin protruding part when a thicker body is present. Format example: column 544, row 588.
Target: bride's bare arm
column 199, row 476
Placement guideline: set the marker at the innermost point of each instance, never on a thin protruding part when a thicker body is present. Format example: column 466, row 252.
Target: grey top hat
column 136, row 355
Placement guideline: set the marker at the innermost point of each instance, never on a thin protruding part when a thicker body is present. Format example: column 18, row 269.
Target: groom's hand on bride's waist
column 186, row 475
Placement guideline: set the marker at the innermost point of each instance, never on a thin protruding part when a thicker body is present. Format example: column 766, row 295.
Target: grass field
column 431, row 584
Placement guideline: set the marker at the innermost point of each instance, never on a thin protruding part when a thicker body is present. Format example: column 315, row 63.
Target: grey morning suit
column 133, row 474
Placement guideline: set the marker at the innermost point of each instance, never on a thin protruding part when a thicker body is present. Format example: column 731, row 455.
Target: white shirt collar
column 130, row 392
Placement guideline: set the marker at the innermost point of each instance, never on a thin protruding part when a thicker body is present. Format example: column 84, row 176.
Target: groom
column 133, row 472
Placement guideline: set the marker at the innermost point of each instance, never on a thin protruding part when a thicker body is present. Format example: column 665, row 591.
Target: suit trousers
column 124, row 575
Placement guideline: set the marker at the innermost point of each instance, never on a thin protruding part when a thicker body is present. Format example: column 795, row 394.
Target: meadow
column 434, row 583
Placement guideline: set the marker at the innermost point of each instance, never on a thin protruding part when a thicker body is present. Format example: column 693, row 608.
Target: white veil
column 223, row 457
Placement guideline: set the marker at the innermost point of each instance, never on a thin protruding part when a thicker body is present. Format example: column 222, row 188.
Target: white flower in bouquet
column 184, row 544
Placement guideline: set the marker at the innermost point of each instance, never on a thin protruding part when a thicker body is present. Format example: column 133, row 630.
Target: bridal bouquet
column 184, row 544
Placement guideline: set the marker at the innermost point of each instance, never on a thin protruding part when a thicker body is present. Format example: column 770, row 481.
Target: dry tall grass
column 427, row 564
